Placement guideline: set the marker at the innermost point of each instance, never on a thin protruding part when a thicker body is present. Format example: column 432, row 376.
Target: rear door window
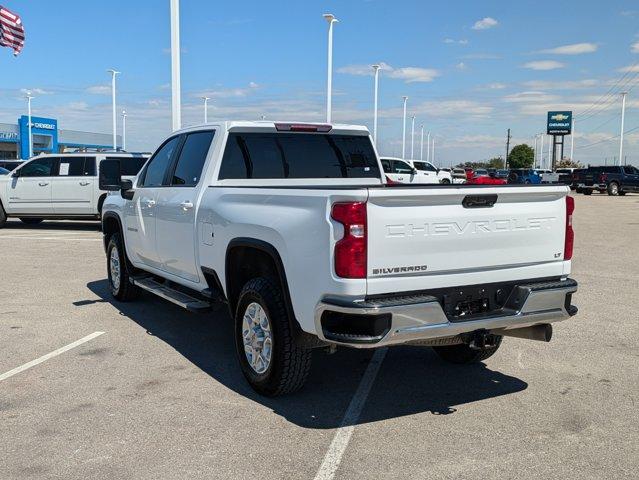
column 76, row 167
column 190, row 163
column 298, row 155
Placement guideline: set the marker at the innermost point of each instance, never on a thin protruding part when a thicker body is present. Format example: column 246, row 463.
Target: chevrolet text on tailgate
column 295, row 228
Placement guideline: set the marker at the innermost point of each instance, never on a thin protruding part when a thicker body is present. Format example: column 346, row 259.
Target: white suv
column 402, row 171
column 60, row 186
column 442, row 175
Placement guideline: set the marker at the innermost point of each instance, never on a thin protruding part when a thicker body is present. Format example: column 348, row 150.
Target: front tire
column 31, row 221
column 119, row 280
column 272, row 361
column 3, row 217
column 587, row 192
column 613, row 189
column 463, row 354
column 445, row 181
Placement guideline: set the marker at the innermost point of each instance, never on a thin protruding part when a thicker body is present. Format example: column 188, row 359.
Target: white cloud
column 629, row 68
column 99, row 90
column 363, row 70
column 529, row 97
column 634, row 48
column 408, row 74
column 543, row 65
column 461, row 66
column 229, row 92
column 573, row 49
column 485, row 23
column 35, row 91
column 496, row 86
column 451, row 41
column 561, row 85
column 414, row 74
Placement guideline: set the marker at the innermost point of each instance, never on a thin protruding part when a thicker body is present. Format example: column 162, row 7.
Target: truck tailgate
column 425, row 238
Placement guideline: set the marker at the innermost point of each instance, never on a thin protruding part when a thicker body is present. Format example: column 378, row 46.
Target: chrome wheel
column 114, row 268
column 257, row 337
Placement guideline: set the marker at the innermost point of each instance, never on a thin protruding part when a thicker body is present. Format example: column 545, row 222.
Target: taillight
column 570, row 234
column 350, row 251
column 603, row 177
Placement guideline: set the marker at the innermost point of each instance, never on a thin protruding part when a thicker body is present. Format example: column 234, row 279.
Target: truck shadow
column 48, row 225
column 411, row 380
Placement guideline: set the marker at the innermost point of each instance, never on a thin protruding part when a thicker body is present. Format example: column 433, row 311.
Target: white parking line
column 343, row 434
column 46, row 357
column 63, row 239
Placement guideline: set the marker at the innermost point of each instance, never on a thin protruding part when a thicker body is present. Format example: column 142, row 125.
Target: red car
column 485, row 181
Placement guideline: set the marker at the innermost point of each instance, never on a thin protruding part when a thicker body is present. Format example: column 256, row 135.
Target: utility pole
column 176, row 95
column 421, row 145
column 115, row 121
column 124, row 130
column 623, row 117
column 508, row 137
column 30, row 149
column 412, row 138
column 330, row 18
column 404, row 131
column 572, row 140
column 376, row 70
column 206, row 109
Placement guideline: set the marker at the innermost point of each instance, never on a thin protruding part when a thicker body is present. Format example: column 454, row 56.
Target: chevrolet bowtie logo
column 559, row 117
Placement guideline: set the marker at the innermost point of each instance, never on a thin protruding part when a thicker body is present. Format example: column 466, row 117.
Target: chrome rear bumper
column 421, row 317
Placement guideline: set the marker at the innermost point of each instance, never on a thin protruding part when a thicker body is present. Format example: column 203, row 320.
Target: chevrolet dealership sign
column 559, row 123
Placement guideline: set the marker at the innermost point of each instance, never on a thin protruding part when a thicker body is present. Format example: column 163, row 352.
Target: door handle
column 84, row 184
column 43, row 184
column 149, row 203
column 186, row 205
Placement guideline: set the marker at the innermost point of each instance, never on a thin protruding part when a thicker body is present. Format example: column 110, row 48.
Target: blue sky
column 470, row 69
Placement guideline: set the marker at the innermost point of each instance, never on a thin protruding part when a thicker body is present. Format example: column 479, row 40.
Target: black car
column 615, row 180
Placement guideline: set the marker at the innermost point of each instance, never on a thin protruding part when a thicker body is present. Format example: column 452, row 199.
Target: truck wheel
column 31, row 221
column 463, row 354
column 121, row 287
column 445, row 181
column 587, row 192
column 613, row 189
column 3, row 217
column 271, row 360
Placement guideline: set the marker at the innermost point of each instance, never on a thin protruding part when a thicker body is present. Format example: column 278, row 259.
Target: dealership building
column 47, row 138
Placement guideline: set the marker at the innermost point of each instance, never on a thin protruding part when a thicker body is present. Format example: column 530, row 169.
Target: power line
column 606, row 139
column 609, row 97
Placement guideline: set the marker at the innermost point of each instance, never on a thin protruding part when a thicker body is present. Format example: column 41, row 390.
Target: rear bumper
column 405, row 319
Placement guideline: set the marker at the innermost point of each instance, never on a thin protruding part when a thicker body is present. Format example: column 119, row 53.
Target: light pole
column 206, row 109
column 124, row 130
column 404, row 131
column 412, row 138
column 30, row 139
column 623, row 117
column 421, row 144
column 541, row 151
column 549, row 159
column 433, row 157
column 330, row 18
column 428, row 148
column 176, row 99
column 376, row 70
column 115, row 121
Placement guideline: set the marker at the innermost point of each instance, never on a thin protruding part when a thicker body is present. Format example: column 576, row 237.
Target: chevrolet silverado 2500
column 295, row 228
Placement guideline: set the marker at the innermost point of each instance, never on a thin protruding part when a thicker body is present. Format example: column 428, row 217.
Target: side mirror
column 414, row 171
column 15, row 173
column 110, row 175
column 126, row 189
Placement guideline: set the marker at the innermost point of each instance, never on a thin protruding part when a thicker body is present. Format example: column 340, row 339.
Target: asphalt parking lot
column 159, row 394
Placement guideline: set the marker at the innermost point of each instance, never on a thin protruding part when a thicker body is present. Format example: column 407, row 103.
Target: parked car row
column 59, row 186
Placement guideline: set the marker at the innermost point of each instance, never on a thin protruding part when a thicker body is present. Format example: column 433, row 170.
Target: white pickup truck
column 294, row 227
column 59, row 186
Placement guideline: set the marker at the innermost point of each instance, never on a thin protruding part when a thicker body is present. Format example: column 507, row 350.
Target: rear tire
column 3, row 217
column 272, row 361
column 462, row 354
column 445, row 181
column 587, row 192
column 613, row 189
column 31, row 221
column 119, row 280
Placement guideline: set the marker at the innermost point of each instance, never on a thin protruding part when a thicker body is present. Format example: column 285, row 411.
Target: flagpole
column 176, row 101
column 115, row 118
column 30, row 149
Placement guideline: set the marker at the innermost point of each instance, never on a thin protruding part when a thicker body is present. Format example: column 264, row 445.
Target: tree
column 568, row 163
column 521, row 156
column 496, row 162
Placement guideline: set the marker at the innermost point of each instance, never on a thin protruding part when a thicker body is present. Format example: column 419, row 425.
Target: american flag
column 11, row 30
